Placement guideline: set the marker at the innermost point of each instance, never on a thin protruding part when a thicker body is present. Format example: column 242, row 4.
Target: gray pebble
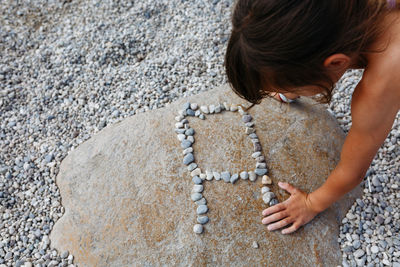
column 234, row 178
column 198, row 228
column 217, row 176
column 201, row 116
column 190, row 138
column 267, row 197
column 257, row 147
column 261, row 165
column 192, row 166
column 185, row 144
column 374, row 249
column 187, row 150
column 246, row 118
column 196, row 196
column 218, row 109
column 226, row 176
column 197, row 113
column 359, row 253
column 209, row 175
column 186, row 106
column 244, row 175
column 189, row 131
column 252, row 176
column 202, row 219
column 260, row 159
column 253, row 136
column 181, row 137
column 211, row 108
column 249, row 130
column 180, row 131
column 198, row 188
column 194, row 106
column 249, row 124
column 265, row 189
column 256, row 154
column 273, row 202
column 190, row 112
column 189, row 158
column 202, row 201
column 201, row 209
column 197, row 180
column 260, row 172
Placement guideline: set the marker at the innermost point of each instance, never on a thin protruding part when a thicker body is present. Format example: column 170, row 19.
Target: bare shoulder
column 382, row 76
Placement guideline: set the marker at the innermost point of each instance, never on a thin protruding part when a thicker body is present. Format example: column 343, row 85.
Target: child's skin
column 374, row 106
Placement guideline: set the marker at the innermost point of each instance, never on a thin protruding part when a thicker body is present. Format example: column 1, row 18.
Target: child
column 302, row 48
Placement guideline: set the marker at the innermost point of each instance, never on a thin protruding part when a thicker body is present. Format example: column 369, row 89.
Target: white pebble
column 198, row 228
column 204, row 109
column 209, row 175
column 217, row 176
column 266, row 180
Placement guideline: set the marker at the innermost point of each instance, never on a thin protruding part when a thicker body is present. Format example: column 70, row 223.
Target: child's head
column 298, row 46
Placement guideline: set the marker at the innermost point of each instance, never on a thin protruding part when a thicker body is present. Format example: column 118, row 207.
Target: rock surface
column 127, row 194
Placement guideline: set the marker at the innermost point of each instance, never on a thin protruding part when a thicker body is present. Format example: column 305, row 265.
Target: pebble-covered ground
column 69, row 68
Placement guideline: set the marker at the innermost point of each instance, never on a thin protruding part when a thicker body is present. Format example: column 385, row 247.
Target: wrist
column 316, row 204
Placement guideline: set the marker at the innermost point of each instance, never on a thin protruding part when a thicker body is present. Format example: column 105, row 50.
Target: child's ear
column 337, row 62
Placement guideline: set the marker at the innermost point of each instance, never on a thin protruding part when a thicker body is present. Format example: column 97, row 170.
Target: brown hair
column 280, row 44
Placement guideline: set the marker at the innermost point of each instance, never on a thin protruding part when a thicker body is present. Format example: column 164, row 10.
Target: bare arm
column 373, row 114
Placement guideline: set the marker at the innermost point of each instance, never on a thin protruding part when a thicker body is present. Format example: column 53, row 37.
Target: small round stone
column 261, row 165
column 252, row 176
column 265, row 189
column 196, row 196
column 273, row 202
column 244, row 175
column 204, row 109
column 194, row 106
column 217, row 176
column 187, row 150
column 249, row 130
column 226, row 176
column 255, row 244
column 247, row 118
column 218, row 109
column 227, row 106
column 198, row 228
column 234, row 107
column 253, row 136
column 186, row 143
column 257, row 147
column 197, row 113
column 198, row 188
column 197, row 180
column 211, row 108
column 260, row 159
column 189, row 158
column 195, row 172
column 186, row 106
column 190, row 138
column 192, row 166
column 261, row 172
column 190, row 112
column 202, row 219
column 374, row 249
column 181, row 137
column 189, row 131
column 203, row 176
column 266, row 180
column 209, row 175
column 256, row 154
column 267, row 197
column 202, row 201
column 202, row 117
column 234, row 178
column 201, row 209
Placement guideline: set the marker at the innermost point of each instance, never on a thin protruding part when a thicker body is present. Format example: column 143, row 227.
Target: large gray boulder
column 126, row 191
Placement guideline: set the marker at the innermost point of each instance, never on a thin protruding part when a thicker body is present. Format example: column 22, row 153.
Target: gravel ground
column 68, row 69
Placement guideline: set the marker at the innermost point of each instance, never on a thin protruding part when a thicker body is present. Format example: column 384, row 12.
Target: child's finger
column 288, row 187
column 290, row 229
column 273, row 209
column 280, row 224
column 274, row 217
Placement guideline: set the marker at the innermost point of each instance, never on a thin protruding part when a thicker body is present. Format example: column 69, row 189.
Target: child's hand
column 296, row 210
